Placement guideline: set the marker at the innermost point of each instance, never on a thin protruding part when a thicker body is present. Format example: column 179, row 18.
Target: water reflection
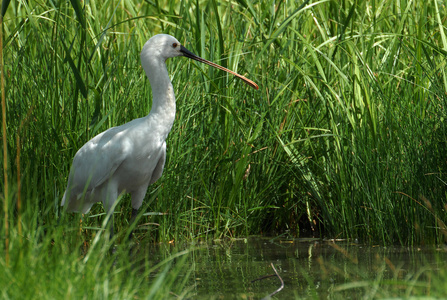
column 310, row 269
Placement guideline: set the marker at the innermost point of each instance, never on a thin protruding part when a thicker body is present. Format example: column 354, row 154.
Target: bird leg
column 113, row 249
column 134, row 215
column 111, row 227
column 132, row 220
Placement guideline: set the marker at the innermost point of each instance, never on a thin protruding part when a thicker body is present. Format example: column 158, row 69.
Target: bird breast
column 144, row 144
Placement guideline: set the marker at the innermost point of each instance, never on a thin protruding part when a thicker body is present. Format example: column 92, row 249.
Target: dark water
column 312, row 269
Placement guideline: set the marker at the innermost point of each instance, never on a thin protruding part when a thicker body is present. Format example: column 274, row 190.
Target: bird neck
column 163, row 97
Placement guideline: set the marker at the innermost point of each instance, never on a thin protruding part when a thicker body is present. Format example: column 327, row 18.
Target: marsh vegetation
column 346, row 137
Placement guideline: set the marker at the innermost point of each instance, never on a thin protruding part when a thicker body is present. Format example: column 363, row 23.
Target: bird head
column 164, row 46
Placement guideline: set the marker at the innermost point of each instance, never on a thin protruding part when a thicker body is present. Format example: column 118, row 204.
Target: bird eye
column 174, row 45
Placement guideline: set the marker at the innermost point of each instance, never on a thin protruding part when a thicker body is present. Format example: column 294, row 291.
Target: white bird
column 130, row 157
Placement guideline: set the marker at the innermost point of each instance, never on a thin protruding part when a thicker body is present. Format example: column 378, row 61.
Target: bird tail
column 63, row 199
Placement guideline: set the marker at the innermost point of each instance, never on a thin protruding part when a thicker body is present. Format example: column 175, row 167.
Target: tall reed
column 344, row 139
column 5, row 148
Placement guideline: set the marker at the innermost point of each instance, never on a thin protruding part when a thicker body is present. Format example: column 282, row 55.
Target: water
column 310, row 269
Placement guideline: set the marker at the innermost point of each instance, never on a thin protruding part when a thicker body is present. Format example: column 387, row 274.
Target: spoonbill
column 130, row 157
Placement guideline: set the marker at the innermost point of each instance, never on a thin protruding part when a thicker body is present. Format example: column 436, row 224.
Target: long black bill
column 191, row 55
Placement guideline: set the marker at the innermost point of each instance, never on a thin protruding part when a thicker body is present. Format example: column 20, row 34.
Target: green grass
column 347, row 132
column 346, row 136
column 51, row 267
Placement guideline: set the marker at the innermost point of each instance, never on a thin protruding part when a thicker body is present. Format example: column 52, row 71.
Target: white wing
column 97, row 160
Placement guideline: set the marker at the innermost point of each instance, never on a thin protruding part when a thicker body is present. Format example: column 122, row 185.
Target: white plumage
column 130, row 157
